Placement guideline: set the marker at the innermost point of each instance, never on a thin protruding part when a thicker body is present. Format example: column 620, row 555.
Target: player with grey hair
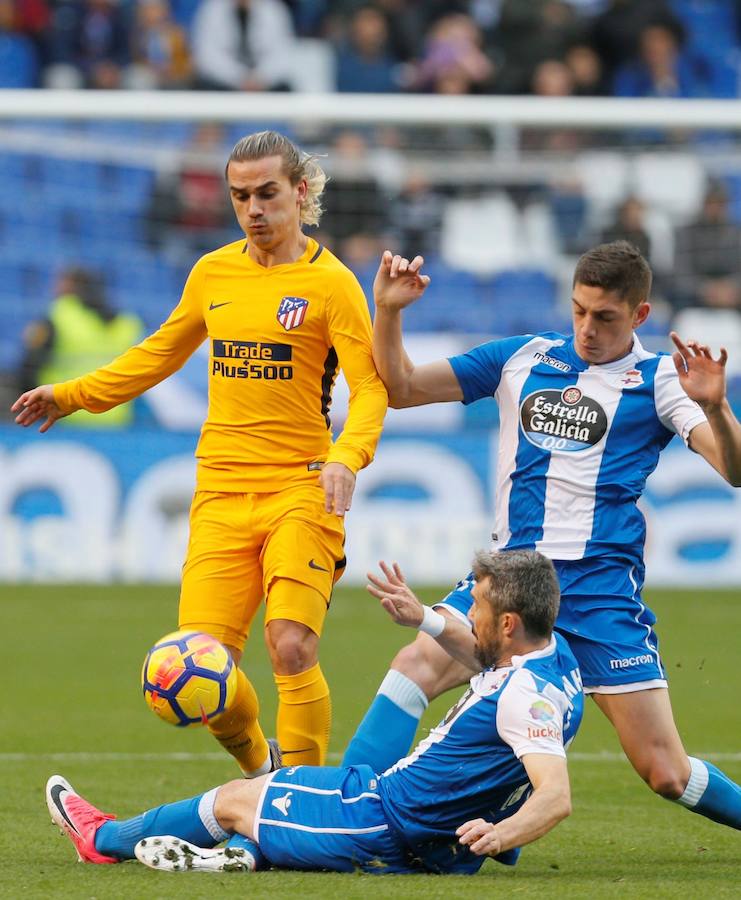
column 583, row 419
column 489, row 778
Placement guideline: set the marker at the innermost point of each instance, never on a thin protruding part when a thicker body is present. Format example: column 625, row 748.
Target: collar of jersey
column 518, row 661
column 311, row 247
column 635, row 355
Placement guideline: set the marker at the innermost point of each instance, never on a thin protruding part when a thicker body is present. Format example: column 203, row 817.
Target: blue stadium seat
column 68, row 176
column 657, row 325
column 12, row 170
column 10, row 281
column 446, row 302
column 117, row 130
column 711, row 24
column 713, row 37
column 145, row 284
column 130, row 187
column 733, row 185
column 734, row 392
column 19, row 67
column 24, row 296
column 519, row 301
column 449, row 302
column 184, row 11
column 514, row 301
column 178, row 134
column 36, row 287
column 11, row 347
column 54, row 127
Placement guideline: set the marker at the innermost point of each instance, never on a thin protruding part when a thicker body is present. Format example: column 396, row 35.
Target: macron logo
column 282, row 804
column 551, row 361
column 626, row 662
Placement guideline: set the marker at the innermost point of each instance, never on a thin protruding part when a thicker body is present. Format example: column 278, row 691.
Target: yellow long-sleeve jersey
column 277, row 339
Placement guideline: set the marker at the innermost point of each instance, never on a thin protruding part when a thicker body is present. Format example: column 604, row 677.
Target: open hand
column 702, row 377
column 395, row 596
column 36, row 404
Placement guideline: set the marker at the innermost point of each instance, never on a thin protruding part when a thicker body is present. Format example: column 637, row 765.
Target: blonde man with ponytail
column 282, row 315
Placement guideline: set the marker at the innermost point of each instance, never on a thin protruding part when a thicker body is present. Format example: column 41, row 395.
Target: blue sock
column 388, row 728
column 245, row 843
column 712, row 794
column 192, row 820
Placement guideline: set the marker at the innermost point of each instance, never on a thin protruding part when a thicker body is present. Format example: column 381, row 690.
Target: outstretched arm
column 405, row 608
column 549, row 803
column 398, row 284
column 703, row 379
column 130, row 374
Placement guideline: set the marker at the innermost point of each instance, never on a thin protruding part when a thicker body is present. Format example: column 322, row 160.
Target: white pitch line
column 605, row 756
column 110, row 757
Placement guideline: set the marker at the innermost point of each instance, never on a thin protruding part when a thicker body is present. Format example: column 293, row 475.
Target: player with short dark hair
column 282, row 316
column 583, row 419
column 617, row 268
column 489, row 778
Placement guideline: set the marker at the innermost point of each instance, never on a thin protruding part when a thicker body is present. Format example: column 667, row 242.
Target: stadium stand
column 506, row 216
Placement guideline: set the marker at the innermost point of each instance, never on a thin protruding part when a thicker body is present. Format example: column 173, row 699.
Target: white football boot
column 173, row 854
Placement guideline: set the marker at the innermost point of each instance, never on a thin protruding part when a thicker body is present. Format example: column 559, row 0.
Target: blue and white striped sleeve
column 479, row 370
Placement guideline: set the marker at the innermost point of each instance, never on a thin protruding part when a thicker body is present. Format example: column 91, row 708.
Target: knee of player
column 665, row 780
column 418, row 664
column 232, row 799
column 292, row 650
column 409, row 659
column 563, row 806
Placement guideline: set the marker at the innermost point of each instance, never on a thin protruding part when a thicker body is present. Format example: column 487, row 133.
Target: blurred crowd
column 630, row 48
column 499, row 229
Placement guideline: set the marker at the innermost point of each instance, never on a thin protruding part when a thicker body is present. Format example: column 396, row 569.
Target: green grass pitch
column 71, row 704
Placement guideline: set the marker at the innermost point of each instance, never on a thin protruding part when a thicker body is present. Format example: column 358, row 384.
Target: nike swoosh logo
column 302, row 750
column 217, row 305
column 56, row 792
column 313, row 565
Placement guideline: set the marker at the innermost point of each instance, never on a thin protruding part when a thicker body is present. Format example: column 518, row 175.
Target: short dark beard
column 487, row 656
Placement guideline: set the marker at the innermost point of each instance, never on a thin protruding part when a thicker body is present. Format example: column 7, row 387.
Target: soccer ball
column 188, row 677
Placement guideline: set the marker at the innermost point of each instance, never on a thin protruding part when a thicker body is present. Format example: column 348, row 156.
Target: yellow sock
column 239, row 732
column 304, row 717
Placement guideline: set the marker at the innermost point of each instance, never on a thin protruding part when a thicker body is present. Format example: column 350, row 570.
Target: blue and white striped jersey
column 576, row 441
column 469, row 766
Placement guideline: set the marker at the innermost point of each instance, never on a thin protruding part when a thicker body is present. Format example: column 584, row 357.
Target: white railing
column 412, row 109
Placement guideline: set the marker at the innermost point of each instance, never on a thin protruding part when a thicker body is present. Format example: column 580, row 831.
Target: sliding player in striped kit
column 490, row 777
column 583, row 420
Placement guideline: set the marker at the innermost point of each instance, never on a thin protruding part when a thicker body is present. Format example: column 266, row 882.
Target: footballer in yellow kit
column 281, row 315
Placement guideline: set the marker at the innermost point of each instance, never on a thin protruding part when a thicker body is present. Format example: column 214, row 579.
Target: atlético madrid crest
column 291, row 312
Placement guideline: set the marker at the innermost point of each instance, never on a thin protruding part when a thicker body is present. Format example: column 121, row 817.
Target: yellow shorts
column 240, row 543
